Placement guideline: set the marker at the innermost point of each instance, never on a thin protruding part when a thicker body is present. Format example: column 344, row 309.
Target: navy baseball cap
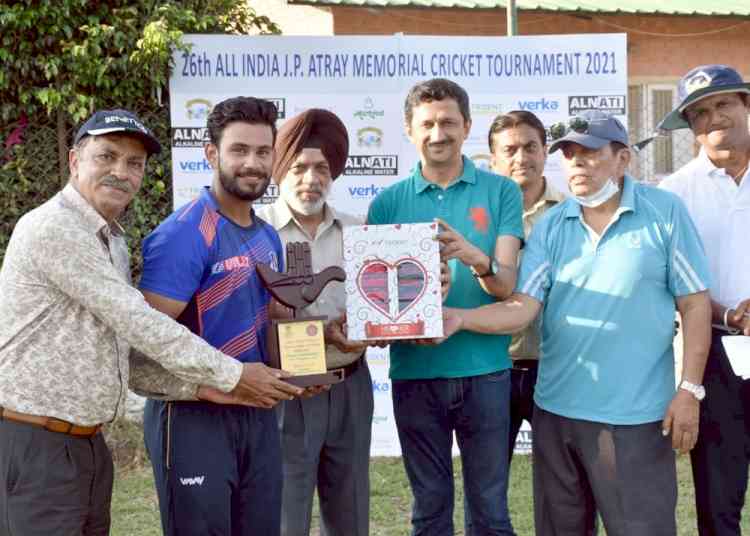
column 701, row 82
column 592, row 129
column 111, row 121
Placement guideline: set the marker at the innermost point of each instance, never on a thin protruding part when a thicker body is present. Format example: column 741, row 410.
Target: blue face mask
column 605, row 193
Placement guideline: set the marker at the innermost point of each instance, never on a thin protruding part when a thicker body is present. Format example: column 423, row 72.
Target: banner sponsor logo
column 370, row 137
column 198, row 109
column 539, row 105
column 280, row 104
column 611, row 104
column 189, row 136
column 486, row 108
column 270, row 196
column 482, row 161
column 371, row 164
column 369, row 111
column 195, row 166
column 381, row 387
column 364, row 192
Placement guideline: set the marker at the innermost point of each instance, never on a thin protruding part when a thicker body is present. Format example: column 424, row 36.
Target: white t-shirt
column 721, row 212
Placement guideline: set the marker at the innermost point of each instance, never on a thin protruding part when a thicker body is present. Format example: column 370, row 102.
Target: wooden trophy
column 297, row 345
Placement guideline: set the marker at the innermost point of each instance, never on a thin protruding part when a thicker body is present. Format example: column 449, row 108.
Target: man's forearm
column 505, row 317
column 501, row 284
column 696, row 333
column 148, row 378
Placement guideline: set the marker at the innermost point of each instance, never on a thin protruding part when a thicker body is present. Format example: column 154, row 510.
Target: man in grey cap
column 606, row 268
column 68, row 318
column 715, row 186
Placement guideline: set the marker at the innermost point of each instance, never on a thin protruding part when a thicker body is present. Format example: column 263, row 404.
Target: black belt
column 351, row 368
column 525, row 364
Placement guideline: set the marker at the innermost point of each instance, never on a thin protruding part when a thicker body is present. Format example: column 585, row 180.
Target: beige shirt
column 326, row 248
column 525, row 345
column 69, row 317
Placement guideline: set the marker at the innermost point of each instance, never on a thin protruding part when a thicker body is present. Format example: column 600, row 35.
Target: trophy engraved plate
column 297, row 345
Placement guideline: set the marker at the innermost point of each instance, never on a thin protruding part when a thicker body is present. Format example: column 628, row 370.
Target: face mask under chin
column 605, row 193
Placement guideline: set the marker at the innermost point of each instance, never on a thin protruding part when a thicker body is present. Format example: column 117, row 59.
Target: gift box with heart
column 392, row 281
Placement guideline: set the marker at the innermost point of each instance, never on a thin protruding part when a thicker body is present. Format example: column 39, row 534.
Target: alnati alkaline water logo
column 280, row 104
column 611, row 104
column 270, row 196
column 371, row 164
column 369, row 111
column 189, row 136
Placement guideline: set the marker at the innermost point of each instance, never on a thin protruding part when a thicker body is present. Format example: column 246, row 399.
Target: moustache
column 252, row 172
column 118, row 184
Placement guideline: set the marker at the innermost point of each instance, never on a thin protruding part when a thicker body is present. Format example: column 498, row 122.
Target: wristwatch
column 492, row 269
column 698, row 391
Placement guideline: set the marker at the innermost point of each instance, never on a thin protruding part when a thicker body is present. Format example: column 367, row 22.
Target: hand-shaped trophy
column 297, row 345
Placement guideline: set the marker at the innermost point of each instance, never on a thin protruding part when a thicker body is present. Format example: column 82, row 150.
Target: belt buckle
column 66, row 426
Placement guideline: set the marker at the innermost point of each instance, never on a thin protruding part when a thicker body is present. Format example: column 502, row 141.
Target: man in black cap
column 68, row 318
column 326, row 438
column 715, row 186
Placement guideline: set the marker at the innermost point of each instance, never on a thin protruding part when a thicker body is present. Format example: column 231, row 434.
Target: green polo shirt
column 482, row 206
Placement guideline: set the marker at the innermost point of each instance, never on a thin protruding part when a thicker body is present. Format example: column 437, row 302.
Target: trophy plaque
column 297, row 345
column 393, row 282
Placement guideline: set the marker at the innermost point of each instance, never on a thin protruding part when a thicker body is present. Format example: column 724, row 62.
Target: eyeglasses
column 562, row 128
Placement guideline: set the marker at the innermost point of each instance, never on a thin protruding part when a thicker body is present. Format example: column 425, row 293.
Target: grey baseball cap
column 112, row 121
column 700, row 82
column 592, row 129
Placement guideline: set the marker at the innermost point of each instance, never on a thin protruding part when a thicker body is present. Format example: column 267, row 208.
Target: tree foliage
column 63, row 59
column 78, row 55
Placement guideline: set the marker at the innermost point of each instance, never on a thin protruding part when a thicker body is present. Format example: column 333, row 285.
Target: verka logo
column 372, row 164
column 195, row 166
column 280, row 104
column 369, row 111
column 540, row 105
column 611, row 104
column 198, row 109
column 370, row 137
column 189, row 136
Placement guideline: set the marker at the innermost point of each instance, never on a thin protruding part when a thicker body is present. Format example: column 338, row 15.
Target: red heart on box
column 372, row 283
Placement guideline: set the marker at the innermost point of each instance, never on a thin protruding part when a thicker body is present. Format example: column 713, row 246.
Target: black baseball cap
column 111, row 121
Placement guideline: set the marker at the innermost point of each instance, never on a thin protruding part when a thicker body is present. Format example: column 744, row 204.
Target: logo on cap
column 698, row 81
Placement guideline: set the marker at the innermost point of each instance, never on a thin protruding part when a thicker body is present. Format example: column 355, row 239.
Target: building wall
column 296, row 19
column 660, row 48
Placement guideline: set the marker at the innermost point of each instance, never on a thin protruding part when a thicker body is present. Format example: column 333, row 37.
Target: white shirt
column 721, row 212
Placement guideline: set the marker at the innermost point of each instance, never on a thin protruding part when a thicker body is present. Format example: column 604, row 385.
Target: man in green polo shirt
column 462, row 385
column 606, row 269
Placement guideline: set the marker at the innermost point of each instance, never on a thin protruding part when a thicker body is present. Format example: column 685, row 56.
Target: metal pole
column 511, row 16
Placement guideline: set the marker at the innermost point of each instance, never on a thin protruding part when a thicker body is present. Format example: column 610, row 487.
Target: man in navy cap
column 606, row 268
column 68, row 318
column 715, row 186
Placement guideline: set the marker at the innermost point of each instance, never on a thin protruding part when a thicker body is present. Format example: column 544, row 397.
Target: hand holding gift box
column 393, row 282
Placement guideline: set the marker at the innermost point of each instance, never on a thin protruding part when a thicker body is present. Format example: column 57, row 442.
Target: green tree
column 62, row 59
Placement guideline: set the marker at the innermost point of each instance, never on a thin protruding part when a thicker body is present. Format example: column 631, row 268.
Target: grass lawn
column 135, row 510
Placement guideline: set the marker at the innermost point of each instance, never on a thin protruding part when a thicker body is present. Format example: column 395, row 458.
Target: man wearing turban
column 325, row 438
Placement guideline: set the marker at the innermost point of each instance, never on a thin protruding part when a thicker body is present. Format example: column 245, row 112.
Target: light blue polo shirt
column 482, row 206
column 609, row 305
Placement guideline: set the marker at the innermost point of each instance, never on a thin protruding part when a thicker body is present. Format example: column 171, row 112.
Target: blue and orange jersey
column 199, row 257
